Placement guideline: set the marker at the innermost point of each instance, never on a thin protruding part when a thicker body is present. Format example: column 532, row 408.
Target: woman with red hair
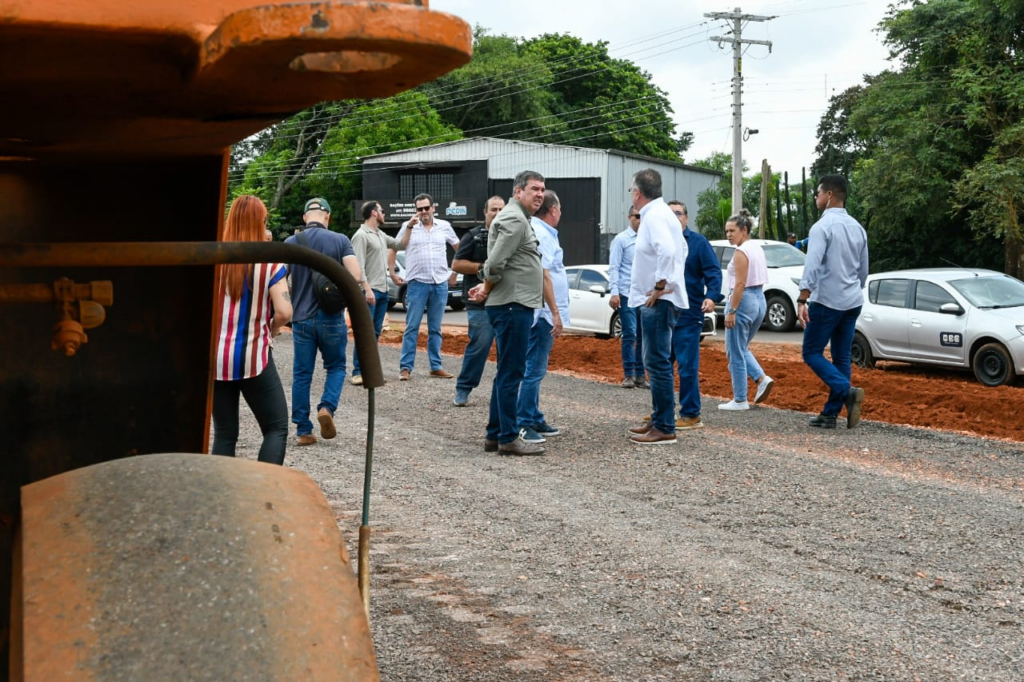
column 246, row 323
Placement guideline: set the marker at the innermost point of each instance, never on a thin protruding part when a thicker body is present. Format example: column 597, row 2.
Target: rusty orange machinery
column 115, row 124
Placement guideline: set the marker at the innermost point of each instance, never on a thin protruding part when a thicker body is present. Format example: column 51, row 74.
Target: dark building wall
column 383, row 181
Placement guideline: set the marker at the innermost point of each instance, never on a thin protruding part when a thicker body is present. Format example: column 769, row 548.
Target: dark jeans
column 686, row 344
column 328, row 334
column 481, row 338
column 632, row 339
column 265, row 397
column 377, row 311
column 512, row 324
column 658, row 322
column 835, row 326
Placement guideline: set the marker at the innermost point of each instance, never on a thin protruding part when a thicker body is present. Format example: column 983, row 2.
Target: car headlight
column 795, row 280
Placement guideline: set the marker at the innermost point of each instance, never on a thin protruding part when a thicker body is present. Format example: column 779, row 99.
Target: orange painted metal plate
column 173, row 566
column 180, row 78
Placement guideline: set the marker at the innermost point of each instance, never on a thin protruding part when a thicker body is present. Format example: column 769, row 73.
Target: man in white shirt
column 658, row 287
column 424, row 239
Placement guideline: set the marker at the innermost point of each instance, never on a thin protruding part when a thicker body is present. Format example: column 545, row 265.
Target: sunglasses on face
column 679, row 212
column 634, row 215
column 420, row 209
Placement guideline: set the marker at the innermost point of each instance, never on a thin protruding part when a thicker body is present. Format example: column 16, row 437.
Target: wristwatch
column 731, row 311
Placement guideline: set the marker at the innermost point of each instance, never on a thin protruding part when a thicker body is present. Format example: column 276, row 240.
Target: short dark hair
column 835, row 184
column 550, row 201
column 368, row 208
column 743, row 220
column 648, row 181
column 524, row 178
column 421, row 197
column 487, row 204
column 678, row 203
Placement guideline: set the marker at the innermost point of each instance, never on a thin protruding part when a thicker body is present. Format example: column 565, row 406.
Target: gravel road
column 755, row 549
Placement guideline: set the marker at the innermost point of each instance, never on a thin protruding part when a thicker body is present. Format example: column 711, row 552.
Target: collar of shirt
column 518, row 204
column 652, row 202
column 314, row 225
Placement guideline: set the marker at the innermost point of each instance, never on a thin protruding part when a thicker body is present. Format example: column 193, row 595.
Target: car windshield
column 1001, row 291
column 783, row 256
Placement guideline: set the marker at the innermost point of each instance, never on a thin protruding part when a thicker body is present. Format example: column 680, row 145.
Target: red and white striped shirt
column 243, row 326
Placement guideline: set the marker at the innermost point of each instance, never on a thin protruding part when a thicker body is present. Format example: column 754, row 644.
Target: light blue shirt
column 552, row 261
column 837, row 261
column 620, row 261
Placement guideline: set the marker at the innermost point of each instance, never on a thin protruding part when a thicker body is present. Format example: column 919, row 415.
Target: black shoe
column 853, row 401
column 823, row 422
column 490, row 445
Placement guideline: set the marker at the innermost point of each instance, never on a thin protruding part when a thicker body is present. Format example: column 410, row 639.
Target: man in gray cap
column 316, row 330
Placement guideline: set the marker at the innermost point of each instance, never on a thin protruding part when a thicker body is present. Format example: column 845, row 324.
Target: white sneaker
column 734, row 406
column 763, row 389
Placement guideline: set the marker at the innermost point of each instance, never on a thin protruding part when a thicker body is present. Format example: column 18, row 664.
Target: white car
column 589, row 292
column 952, row 317
column 785, row 268
column 396, row 294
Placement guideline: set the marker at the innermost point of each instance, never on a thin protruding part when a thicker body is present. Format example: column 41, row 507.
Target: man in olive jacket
column 511, row 288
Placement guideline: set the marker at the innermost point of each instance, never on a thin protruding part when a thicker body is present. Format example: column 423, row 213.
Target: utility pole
column 737, row 41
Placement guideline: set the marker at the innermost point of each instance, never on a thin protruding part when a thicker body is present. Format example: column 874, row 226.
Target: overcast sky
column 817, row 51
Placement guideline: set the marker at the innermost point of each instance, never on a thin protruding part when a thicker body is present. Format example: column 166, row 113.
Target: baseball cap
column 317, row 204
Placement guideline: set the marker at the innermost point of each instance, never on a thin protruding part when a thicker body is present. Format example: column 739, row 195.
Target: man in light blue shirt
column 620, row 268
column 831, row 296
column 547, row 322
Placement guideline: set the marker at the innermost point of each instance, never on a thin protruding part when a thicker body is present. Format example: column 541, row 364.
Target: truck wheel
column 176, row 566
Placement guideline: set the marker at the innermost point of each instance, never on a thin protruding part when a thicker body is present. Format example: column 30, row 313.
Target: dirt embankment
column 896, row 393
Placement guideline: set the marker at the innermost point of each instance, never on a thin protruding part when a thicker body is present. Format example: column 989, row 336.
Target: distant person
column 268, row 236
column 469, row 258
column 703, row 275
column 831, row 296
column 245, row 363
column 547, row 321
column 512, row 288
column 620, row 268
column 658, row 288
column 798, row 243
column 746, row 307
column 316, row 330
column 424, row 239
column 372, row 246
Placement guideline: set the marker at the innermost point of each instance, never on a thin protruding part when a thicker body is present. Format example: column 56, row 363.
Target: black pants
column 265, row 398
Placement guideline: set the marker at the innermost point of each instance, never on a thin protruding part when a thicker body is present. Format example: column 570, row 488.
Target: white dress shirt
column 660, row 254
column 426, row 259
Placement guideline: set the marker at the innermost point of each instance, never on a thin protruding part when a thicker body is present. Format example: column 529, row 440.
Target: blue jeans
column 265, row 397
column 377, row 311
column 481, row 337
column 632, row 339
column 528, row 407
column 838, row 327
column 742, row 363
column 433, row 297
column 686, row 344
column 657, row 323
column 328, row 334
column 512, row 324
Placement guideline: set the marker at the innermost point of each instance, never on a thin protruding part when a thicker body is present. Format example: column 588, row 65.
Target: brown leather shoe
column 687, row 423
column 520, row 448
column 490, row 445
column 643, row 428
column 654, row 437
column 308, row 439
column 404, row 375
column 441, row 374
column 327, row 430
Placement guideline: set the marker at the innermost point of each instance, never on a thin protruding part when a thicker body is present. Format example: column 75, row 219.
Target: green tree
column 714, row 205
column 318, row 152
column 605, row 102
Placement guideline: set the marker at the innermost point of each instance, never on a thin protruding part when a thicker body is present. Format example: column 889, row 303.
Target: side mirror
column 951, row 309
column 598, row 289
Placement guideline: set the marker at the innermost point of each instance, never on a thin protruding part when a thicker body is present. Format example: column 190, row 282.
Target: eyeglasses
column 420, row 209
column 630, row 189
column 634, row 215
column 679, row 212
